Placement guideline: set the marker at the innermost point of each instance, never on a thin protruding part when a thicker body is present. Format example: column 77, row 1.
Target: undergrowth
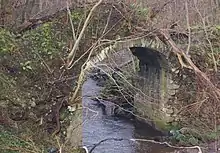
column 12, row 143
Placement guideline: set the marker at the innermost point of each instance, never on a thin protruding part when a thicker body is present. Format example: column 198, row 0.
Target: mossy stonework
column 155, row 82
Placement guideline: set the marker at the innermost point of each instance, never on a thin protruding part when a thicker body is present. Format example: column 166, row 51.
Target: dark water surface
column 118, row 131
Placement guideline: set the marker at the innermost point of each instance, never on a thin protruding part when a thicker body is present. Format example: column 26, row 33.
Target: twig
column 88, row 50
column 120, row 90
column 83, row 67
column 94, row 45
column 60, row 146
column 115, row 82
column 169, row 145
column 73, row 30
column 207, row 37
column 71, row 21
column 70, row 57
column 188, row 25
column 81, row 76
column 100, row 45
column 145, row 140
column 126, row 81
column 45, row 64
column 109, row 16
column 93, row 48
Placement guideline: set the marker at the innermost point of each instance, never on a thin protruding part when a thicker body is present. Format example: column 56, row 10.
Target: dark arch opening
column 149, row 57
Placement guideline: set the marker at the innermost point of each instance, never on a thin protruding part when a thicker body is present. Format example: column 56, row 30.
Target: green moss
column 76, row 16
column 162, row 125
column 44, row 40
column 7, row 41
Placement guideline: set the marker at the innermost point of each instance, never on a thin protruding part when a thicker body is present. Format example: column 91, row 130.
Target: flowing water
column 115, row 132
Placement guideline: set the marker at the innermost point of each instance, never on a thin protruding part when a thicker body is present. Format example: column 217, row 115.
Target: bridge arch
column 145, row 41
column 154, row 74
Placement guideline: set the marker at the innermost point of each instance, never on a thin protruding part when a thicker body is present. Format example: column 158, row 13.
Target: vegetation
column 39, row 78
column 31, row 69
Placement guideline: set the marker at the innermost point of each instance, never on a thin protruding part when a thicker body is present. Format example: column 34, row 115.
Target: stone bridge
column 148, row 58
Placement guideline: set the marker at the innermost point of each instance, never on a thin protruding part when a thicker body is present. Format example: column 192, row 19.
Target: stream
column 115, row 132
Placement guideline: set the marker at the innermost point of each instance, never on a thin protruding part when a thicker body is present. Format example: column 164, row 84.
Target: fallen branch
column 180, row 53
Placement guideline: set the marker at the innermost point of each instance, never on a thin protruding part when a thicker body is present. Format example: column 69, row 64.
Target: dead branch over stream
column 181, row 53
